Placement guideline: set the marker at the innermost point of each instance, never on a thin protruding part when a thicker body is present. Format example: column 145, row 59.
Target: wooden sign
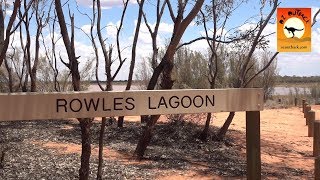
column 31, row 106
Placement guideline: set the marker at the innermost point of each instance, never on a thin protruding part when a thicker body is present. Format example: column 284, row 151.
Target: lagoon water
column 116, row 87
column 277, row 90
column 288, row 90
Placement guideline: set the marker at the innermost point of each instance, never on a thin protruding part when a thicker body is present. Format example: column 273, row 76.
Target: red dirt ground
column 284, row 142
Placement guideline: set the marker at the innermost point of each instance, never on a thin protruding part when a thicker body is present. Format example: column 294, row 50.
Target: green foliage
column 3, row 80
column 267, row 79
column 144, row 73
column 46, row 77
column 315, row 92
column 191, row 70
column 298, row 79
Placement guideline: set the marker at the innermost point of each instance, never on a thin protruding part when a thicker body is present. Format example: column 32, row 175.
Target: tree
column 4, row 41
column 6, row 33
column 217, row 13
column 243, row 79
column 85, row 123
column 41, row 21
column 166, row 65
column 107, row 53
column 133, row 53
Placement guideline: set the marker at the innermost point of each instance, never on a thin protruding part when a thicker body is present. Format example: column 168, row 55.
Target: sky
column 298, row 64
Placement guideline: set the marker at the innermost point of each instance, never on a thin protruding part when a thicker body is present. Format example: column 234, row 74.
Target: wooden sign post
column 33, row 106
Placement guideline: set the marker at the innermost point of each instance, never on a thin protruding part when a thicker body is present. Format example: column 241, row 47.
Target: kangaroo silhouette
column 292, row 30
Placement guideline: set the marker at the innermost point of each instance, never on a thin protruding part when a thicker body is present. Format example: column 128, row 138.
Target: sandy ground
column 284, row 143
column 284, row 140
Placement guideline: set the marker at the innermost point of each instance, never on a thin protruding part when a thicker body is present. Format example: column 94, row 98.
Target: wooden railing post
column 295, row 101
column 316, row 138
column 253, row 145
column 304, row 109
column 311, row 118
column 303, row 104
column 307, row 109
column 317, row 168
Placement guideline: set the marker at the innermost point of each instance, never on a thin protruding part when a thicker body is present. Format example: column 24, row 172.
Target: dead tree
column 166, row 65
column 85, row 123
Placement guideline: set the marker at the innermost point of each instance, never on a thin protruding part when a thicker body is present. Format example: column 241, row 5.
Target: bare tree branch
column 134, row 44
column 315, row 17
column 16, row 6
column 121, row 62
column 171, row 11
column 255, row 43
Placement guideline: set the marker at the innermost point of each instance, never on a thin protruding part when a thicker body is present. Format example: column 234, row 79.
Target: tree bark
column 26, row 51
column 204, row 134
column 9, row 70
column 223, row 130
column 120, row 121
column 146, row 137
column 33, row 73
column 69, row 45
column 102, row 129
column 85, row 125
column 134, row 45
column 5, row 45
column 133, row 54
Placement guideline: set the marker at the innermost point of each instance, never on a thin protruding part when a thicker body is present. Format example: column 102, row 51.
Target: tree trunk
column 9, row 71
column 85, row 123
column 165, row 67
column 84, row 170
column 223, row 130
column 204, row 134
column 120, row 121
column 5, row 43
column 24, row 88
column 102, row 129
column 133, row 55
column 166, row 83
column 134, row 45
column 146, row 137
column 33, row 73
column 33, row 85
